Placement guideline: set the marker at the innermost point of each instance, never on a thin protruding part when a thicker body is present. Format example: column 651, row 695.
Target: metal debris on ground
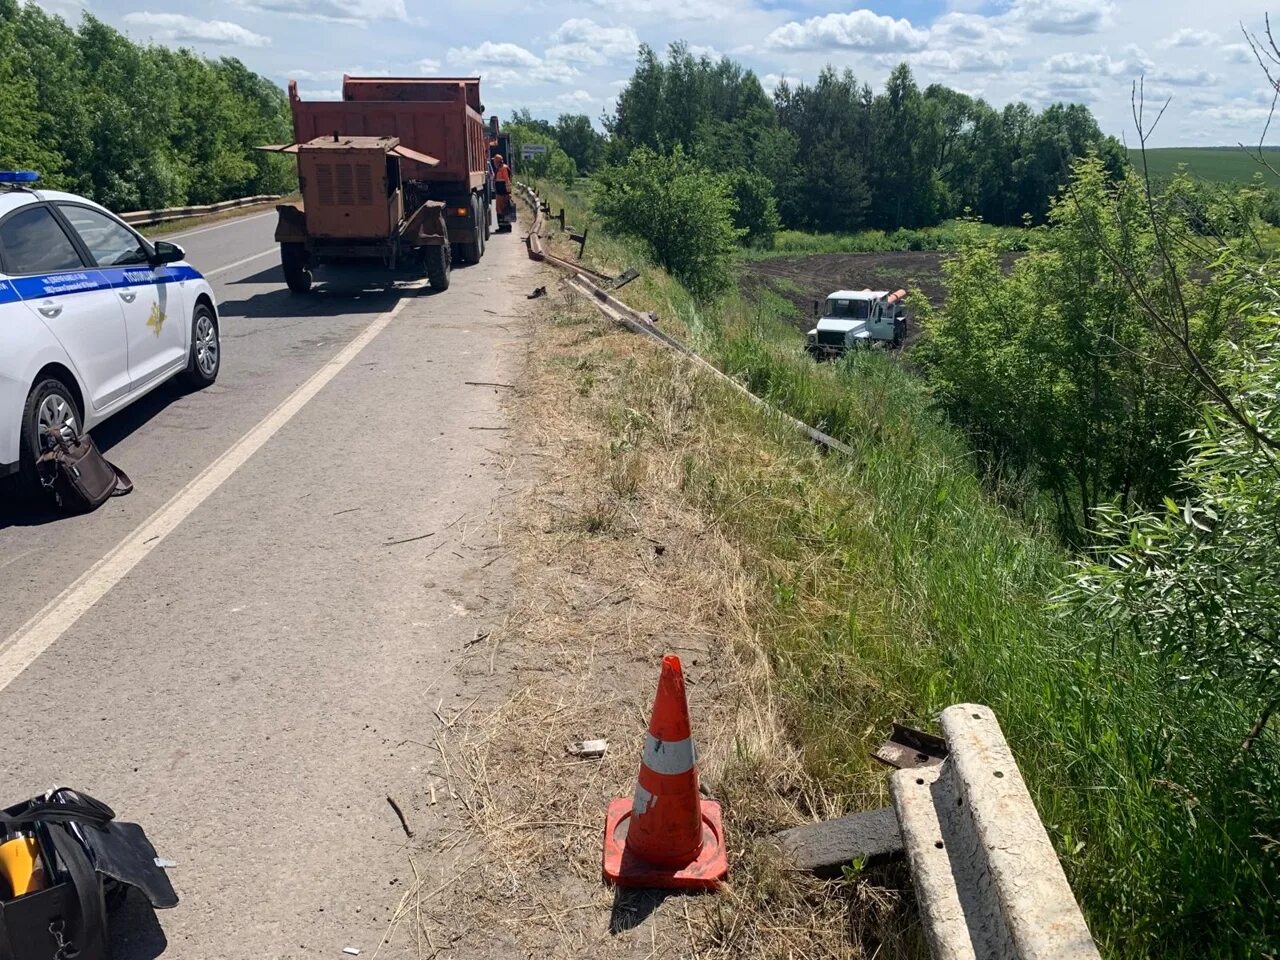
column 351, row 951
column 538, row 292
column 624, row 278
column 588, row 749
column 908, row 748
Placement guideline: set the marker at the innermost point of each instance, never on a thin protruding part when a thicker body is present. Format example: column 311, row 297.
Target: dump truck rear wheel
column 297, row 274
column 437, row 261
column 482, row 229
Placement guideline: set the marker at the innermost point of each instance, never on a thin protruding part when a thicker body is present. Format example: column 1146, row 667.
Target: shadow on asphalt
column 18, row 509
column 136, row 933
column 337, row 292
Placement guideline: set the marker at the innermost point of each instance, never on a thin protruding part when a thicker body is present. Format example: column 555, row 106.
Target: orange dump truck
column 444, row 155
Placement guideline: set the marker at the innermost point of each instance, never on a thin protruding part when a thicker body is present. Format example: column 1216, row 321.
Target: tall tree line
column 842, row 157
column 130, row 125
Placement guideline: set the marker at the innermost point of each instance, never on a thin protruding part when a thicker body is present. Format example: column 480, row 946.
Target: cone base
column 624, row 869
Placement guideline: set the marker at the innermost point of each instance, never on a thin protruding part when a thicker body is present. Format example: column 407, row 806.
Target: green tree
column 1053, row 368
column 580, row 140
column 680, row 211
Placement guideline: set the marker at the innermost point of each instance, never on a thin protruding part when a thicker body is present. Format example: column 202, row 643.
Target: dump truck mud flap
column 292, row 225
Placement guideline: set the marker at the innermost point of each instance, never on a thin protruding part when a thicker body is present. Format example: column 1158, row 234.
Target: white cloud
column 309, row 94
column 1064, row 90
column 1186, row 37
column 667, row 10
column 581, row 40
column 335, row 73
column 967, row 28
column 1236, row 53
column 702, row 50
column 962, row 59
column 506, row 63
column 427, row 66
column 336, row 11
column 179, row 28
column 1097, row 64
column 1184, row 78
column 1062, row 16
column 577, row 98
column 858, row 30
column 67, row 9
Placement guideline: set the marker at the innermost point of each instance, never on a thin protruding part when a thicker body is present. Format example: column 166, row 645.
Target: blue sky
column 555, row 56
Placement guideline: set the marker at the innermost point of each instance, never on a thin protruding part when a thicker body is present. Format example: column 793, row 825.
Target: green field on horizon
column 1219, row 164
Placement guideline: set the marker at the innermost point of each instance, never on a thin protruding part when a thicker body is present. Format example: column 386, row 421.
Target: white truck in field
column 856, row 318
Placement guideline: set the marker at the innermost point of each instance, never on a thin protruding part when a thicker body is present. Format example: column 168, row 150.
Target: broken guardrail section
column 987, row 879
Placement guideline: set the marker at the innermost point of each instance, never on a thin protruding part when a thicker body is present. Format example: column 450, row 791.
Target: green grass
column 1216, row 164
column 890, row 585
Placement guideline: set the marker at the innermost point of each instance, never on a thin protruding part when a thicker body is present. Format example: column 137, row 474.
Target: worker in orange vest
column 502, row 184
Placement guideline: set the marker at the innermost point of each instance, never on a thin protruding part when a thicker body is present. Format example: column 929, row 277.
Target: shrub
column 756, row 211
column 682, row 212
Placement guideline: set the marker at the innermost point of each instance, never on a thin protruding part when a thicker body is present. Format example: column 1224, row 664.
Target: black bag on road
column 78, row 476
column 89, row 859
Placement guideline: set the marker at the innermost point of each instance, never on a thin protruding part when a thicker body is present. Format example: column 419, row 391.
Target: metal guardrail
column 987, row 879
column 149, row 217
column 581, row 281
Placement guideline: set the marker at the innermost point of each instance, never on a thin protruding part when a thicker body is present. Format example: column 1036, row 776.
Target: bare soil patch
column 803, row 279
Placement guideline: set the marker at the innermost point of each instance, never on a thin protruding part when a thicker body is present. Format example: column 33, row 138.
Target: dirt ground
column 612, row 569
column 803, row 279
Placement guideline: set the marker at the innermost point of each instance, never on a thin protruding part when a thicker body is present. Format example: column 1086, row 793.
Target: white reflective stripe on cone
column 668, row 756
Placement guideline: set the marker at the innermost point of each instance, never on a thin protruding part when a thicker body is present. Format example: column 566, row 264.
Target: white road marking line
column 239, row 263
column 217, row 226
column 60, row 614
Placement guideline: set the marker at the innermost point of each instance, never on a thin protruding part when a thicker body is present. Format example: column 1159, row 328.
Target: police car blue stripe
column 84, row 281
column 59, row 284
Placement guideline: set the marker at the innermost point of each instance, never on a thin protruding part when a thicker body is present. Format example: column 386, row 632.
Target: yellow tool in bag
column 21, row 867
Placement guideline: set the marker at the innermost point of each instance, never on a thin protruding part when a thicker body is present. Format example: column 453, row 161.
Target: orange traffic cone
column 666, row 835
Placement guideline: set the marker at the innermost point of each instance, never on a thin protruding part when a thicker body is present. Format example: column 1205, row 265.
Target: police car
column 92, row 317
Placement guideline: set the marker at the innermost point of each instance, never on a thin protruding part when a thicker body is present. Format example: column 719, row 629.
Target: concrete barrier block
column 987, row 878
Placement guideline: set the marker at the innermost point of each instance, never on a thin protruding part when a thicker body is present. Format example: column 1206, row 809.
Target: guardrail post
column 987, row 878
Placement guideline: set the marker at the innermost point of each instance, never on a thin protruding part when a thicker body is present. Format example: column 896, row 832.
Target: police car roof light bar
column 17, row 179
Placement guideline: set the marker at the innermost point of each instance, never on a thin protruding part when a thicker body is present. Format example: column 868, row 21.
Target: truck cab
column 853, row 318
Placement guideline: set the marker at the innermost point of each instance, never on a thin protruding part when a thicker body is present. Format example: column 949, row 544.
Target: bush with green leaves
column 680, row 211
column 755, row 210
column 1054, row 370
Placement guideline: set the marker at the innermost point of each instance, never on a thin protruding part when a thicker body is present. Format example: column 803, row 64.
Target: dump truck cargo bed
column 445, row 126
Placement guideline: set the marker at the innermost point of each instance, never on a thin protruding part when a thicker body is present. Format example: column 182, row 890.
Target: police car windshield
column 848, row 309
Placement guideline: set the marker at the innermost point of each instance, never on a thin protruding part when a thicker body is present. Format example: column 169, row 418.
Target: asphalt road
column 244, row 668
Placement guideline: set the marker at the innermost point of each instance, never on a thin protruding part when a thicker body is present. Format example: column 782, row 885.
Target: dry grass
column 614, row 568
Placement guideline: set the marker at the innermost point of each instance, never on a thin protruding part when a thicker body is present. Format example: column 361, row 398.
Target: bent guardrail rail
column 987, row 878
column 583, row 281
column 141, row 218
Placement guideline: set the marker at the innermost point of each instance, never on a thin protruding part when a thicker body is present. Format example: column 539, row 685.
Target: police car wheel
column 50, row 405
column 206, row 349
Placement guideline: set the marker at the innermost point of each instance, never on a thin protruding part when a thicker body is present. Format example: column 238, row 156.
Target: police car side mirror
column 166, row 252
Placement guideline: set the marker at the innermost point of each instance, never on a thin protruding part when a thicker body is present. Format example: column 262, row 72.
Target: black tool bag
column 87, row 854
column 77, row 475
